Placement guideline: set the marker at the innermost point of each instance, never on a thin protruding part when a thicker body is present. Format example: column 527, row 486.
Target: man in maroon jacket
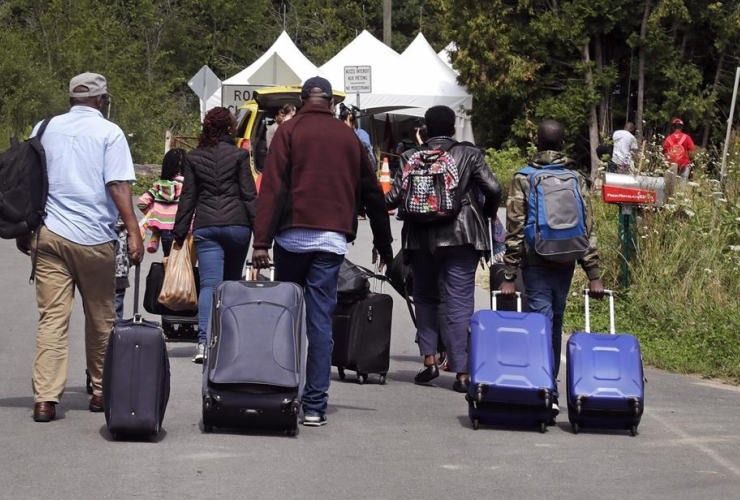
column 315, row 171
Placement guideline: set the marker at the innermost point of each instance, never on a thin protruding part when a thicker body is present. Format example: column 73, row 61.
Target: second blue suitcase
column 510, row 361
column 605, row 378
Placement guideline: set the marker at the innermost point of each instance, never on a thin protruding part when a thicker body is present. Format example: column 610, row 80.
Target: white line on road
column 698, row 444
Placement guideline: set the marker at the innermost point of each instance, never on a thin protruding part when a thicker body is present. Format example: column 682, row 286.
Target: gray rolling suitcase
column 254, row 370
column 136, row 376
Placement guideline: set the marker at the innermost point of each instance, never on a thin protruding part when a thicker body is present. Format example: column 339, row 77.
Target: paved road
column 392, row 441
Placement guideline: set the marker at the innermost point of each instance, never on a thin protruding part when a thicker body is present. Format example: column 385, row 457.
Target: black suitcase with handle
column 362, row 334
column 136, row 376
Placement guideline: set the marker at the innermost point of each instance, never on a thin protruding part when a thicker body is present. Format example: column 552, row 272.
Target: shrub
column 143, row 183
column 504, row 163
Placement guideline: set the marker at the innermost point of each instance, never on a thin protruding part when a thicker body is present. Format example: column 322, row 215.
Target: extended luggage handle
column 250, row 266
column 587, row 302
column 137, row 278
column 496, row 293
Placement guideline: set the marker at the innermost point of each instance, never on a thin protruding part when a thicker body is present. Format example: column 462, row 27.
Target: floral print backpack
column 429, row 187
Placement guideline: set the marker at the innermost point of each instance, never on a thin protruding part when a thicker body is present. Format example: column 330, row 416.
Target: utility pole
column 387, row 33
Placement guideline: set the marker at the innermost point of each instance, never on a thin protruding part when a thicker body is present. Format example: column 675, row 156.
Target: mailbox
column 633, row 189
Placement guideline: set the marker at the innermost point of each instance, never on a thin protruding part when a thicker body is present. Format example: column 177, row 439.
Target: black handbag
column 353, row 284
column 154, row 281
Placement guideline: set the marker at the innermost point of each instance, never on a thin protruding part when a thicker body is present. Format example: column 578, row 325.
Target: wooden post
column 387, row 27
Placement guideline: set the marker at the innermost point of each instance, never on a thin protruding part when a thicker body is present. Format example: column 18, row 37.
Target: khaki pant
column 61, row 265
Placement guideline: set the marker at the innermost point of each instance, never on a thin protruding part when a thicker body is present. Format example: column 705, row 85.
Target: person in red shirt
column 677, row 147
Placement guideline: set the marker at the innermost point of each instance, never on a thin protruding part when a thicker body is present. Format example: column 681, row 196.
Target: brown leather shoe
column 45, row 411
column 96, row 404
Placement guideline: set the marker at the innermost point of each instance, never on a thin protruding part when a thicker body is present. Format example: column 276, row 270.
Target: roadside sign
column 234, row 96
column 358, row 79
column 204, row 83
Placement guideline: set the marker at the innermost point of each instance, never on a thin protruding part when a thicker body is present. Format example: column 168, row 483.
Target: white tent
column 281, row 64
column 408, row 84
column 366, row 50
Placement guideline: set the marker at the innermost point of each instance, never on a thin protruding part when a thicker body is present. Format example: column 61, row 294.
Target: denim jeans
column 547, row 291
column 120, row 295
column 222, row 252
column 165, row 239
column 454, row 268
column 317, row 273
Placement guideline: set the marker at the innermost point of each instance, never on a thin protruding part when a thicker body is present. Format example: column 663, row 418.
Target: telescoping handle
column 250, row 267
column 496, row 293
column 610, row 294
column 490, row 236
column 137, row 280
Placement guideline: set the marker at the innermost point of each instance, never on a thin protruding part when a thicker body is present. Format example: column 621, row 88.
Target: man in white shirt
column 625, row 146
column 90, row 170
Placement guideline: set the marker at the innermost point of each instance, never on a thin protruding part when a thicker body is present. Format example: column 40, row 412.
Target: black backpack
column 24, row 186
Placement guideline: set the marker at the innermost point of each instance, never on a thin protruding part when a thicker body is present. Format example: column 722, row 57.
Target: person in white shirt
column 625, row 146
column 90, row 170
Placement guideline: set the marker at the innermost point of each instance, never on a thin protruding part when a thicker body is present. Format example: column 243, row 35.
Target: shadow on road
column 182, row 351
column 132, row 439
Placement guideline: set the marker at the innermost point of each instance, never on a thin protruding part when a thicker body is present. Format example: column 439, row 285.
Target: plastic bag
column 178, row 289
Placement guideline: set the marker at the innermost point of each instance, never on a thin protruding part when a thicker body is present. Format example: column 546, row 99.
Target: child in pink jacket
column 160, row 202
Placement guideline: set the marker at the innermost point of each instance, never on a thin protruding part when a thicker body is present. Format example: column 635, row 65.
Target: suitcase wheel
column 342, row 375
column 361, row 378
column 476, row 424
column 382, row 379
column 293, row 429
column 543, row 427
column 633, row 430
column 576, row 428
column 207, row 428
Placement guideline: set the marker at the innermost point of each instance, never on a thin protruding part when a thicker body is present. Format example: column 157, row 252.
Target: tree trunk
column 629, row 90
column 604, row 102
column 641, row 72
column 715, row 88
column 593, row 122
column 387, row 31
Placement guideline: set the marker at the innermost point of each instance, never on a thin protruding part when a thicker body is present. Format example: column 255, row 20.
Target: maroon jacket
column 316, row 174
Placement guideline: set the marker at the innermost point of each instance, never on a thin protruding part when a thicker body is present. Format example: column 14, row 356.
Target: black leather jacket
column 477, row 182
column 218, row 188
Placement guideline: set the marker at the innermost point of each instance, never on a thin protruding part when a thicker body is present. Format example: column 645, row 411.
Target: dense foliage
column 148, row 49
column 580, row 61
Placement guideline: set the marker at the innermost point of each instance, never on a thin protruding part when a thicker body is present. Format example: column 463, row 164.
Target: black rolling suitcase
column 362, row 334
column 136, row 376
column 254, row 370
column 178, row 326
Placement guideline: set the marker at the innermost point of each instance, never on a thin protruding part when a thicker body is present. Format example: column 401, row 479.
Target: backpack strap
column 42, row 128
column 526, row 171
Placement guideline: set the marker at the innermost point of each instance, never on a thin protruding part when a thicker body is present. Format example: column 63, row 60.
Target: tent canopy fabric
column 406, row 84
column 282, row 64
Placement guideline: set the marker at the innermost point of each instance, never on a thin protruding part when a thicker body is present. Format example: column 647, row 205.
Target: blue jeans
column 120, row 295
column 454, row 269
column 317, row 273
column 222, row 252
column 547, row 291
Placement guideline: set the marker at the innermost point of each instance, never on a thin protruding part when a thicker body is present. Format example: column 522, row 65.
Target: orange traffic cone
column 385, row 179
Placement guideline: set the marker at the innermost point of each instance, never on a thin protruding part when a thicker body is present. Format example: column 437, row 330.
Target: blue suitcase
column 511, row 368
column 605, row 379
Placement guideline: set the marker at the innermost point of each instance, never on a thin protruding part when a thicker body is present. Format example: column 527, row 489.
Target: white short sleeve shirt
column 84, row 153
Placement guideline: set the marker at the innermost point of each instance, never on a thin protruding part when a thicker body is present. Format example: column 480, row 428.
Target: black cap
column 316, row 82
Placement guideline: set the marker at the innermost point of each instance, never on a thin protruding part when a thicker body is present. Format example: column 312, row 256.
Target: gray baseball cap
column 96, row 85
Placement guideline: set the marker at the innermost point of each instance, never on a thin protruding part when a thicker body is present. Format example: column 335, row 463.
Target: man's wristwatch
column 509, row 277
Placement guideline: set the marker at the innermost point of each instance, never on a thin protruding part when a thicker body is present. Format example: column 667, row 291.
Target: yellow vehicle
column 256, row 115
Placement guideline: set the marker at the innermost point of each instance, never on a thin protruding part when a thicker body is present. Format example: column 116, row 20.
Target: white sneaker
column 314, row 420
column 200, row 353
column 555, row 410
